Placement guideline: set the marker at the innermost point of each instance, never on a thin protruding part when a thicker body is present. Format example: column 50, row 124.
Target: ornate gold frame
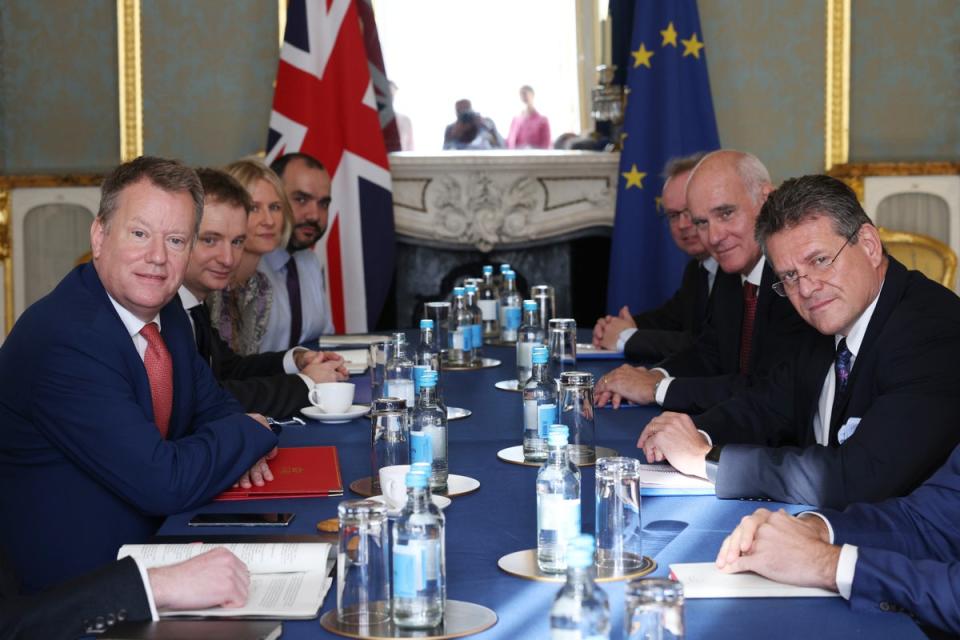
column 854, row 173
column 130, row 77
column 836, row 138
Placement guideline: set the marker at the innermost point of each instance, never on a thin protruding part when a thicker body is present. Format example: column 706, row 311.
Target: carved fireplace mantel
column 501, row 199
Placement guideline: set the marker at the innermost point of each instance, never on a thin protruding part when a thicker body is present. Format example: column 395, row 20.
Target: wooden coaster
column 485, row 363
column 514, row 455
column 456, row 486
column 523, row 564
column 460, row 619
column 508, row 385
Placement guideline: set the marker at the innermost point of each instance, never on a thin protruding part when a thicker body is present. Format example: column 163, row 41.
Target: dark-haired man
column 109, row 419
column 274, row 383
column 300, row 311
column 865, row 416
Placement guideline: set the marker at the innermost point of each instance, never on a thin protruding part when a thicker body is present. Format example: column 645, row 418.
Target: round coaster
column 497, row 342
column 485, row 363
column 458, row 413
column 523, row 564
column 456, row 486
column 460, row 619
column 508, row 385
column 514, row 455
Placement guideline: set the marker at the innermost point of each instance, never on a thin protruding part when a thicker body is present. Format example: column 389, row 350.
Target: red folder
column 298, row 472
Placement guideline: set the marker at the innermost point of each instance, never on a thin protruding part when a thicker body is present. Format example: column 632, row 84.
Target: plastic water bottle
column 529, row 336
column 428, row 432
column 477, row 336
column 460, row 350
column 419, row 574
column 399, row 383
column 426, row 356
column 558, row 504
column 539, row 407
column 581, row 610
column 509, row 308
column 489, row 302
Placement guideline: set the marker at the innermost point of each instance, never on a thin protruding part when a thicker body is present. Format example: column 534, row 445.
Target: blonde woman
column 241, row 311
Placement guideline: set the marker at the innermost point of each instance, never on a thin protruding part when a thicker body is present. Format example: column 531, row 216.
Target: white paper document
column 704, row 580
column 287, row 580
column 355, row 360
column 365, row 339
column 663, row 479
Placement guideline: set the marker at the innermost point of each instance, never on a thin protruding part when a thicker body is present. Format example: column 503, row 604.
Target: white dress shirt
column 315, row 310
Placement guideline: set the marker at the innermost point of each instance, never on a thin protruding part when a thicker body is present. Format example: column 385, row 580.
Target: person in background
column 529, row 129
column 471, row 131
column 275, row 383
column 404, row 125
column 653, row 335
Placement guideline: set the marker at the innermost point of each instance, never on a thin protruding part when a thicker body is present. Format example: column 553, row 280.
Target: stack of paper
column 287, row 580
column 664, row 480
column 355, row 360
column 704, row 580
column 357, row 339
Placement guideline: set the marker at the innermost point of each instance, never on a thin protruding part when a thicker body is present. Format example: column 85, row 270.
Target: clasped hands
column 607, row 330
column 321, row 366
column 626, row 382
column 673, row 437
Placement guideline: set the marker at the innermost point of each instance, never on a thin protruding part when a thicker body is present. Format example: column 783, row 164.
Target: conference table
column 500, row 518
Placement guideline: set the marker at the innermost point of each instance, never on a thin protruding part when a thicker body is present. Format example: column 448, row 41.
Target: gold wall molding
column 837, row 120
column 130, row 76
column 855, row 173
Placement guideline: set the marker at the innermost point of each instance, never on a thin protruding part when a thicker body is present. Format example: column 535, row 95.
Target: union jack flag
column 325, row 105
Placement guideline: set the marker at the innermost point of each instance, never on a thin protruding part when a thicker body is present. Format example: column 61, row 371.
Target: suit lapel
column 181, row 343
column 727, row 304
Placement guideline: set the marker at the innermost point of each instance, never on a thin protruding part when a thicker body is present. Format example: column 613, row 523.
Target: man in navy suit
column 899, row 555
column 866, row 416
column 109, row 419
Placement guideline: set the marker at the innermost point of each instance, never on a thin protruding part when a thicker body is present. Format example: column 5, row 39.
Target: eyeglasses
column 673, row 216
column 820, row 268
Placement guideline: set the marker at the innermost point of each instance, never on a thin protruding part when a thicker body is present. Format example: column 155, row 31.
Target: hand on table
column 673, row 437
column 781, row 547
column 215, row 578
column 607, row 330
column 259, row 474
column 626, row 382
column 332, row 370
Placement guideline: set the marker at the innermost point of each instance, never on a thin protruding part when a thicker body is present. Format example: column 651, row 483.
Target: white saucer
column 355, row 411
column 442, row 502
column 508, row 385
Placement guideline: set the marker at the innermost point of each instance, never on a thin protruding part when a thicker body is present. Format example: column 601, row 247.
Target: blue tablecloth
column 500, row 518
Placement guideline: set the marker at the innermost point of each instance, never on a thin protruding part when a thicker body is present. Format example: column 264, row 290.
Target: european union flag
column 669, row 113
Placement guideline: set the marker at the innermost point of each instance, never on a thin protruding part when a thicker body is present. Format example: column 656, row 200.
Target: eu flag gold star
column 692, row 47
column 669, row 36
column 658, row 203
column 641, row 57
column 634, row 177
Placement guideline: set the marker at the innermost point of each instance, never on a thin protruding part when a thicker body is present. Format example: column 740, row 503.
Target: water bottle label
column 488, row 309
column 546, row 416
column 477, row 336
column 525, row 354
column 512, row 317
column 421, row 447
column 530, row 422
column 467, row 332
column 554, row 513
column 417, row 372
column 401, row 389
column 415, row 564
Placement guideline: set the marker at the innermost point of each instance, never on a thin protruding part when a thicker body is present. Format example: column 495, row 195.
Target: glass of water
column 654, row 610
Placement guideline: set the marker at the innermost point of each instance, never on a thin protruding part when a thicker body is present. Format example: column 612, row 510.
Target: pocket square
column 848, row 429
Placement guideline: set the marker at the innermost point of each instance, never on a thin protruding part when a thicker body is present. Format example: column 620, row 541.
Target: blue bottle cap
column 529, row 305
column 580, row 551
column 416, row 480
column 504, row 267
column 540, row 355
column 558, row 434
column 487, row 269
column 423, row 468
column 510, row 275
column 470, row 288
column 458, row 291
column 428, row 378
column 426, row 323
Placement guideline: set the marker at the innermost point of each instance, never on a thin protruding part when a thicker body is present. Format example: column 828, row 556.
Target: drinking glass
column 654, row 610
column 618, row 528
column 363, row 563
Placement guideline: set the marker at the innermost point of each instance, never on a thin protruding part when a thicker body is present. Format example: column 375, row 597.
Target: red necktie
column 159, row 368
column 746, row 329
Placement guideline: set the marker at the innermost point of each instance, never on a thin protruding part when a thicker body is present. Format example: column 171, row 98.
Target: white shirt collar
column 859, row 328
column 756, row 274
column 710, row 264
column 188, row 299
column 130, row 321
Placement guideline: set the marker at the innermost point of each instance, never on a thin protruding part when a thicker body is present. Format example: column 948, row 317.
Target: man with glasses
column 866, row 416
column 299, row 311
column 653, row 335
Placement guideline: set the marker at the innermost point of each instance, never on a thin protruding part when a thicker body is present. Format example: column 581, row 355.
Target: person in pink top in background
column 530, row 129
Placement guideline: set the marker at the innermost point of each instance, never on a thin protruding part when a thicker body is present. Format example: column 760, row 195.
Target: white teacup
column 393, row 485
column 332, row 397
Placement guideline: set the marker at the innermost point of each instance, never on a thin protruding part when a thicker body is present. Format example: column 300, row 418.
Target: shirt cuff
column 662, row 387
column 145, row 577
column 825, row 521
column 623, row 337
column 289, row 364
column 706, row 436
column 846, row 567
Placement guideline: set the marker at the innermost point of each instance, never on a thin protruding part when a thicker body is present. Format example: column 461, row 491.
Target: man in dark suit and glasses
column 275, row 383
column 866, row 416
column 655, row 334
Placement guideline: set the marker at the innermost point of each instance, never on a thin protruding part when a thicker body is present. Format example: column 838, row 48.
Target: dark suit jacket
column 709, row 371
column 908, row 553
column 675, row 325
column 903, row 389
column 82, row 464
column 67, row 611
column 258, row 381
